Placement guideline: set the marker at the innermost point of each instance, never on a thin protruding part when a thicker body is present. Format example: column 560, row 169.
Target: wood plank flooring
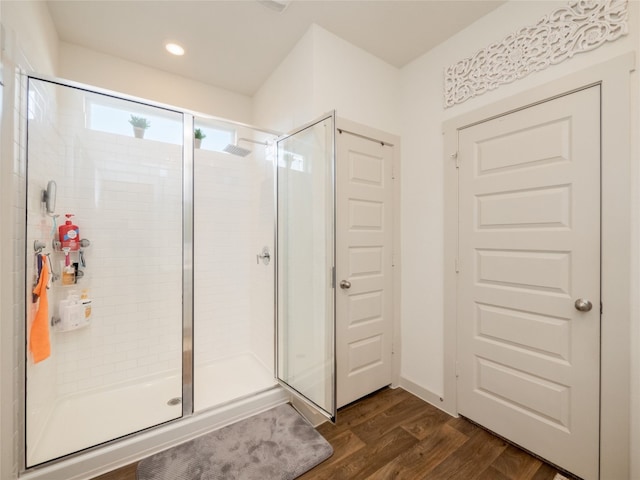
column 392, row 434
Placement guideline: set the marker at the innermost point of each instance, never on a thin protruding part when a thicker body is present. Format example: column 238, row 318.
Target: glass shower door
column 305, row 320
column 104, row 341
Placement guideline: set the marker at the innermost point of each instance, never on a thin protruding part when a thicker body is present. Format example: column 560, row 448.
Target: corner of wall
column 12, row 211
column 354, row 82
column 323, row 72
column 36, row 39
column 30, row 43
column 284, row 101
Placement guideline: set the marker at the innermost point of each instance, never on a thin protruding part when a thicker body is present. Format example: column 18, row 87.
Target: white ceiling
column 236, row 44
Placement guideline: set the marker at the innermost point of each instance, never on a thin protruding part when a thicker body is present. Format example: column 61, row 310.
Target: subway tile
column 134, row 277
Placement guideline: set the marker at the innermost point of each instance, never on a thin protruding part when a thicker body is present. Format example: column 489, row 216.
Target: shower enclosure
column 164, row 303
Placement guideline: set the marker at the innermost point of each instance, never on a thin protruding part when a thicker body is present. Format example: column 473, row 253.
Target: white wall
column 634, row 283
column 422, row 114
column 284, row 101
column 105, row 71
column 323, row 73
column 361, row 87
column 30, row 30
column 30, row 42
column 635, row 329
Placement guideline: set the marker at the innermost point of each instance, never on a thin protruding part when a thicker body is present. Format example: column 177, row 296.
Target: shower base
column 229, row 378
column 78, row 421
column 83, row 420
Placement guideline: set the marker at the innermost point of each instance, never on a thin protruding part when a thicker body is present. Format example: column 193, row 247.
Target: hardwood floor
column 392, row 434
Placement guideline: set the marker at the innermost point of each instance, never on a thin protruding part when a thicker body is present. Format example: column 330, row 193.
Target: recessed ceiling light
column 174, row 49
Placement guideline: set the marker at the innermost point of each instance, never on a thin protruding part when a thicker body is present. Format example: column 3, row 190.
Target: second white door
column 364, row 277
column 529, row 280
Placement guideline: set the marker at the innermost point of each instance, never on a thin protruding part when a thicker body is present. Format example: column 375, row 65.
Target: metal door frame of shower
column 187, row 357
column 188, row 298
column 298, row 395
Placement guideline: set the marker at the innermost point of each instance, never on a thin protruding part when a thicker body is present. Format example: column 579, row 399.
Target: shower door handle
column 265, row 256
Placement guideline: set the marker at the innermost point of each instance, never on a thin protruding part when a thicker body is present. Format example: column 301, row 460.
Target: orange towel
column 39, row 338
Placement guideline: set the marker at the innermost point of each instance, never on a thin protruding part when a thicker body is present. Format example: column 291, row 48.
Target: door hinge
column 454, row 156
column 457, row 265
column 333, row 277
column 457, row 369
column 601, row 308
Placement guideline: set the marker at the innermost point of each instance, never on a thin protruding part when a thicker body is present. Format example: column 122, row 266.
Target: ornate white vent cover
column 581, row 26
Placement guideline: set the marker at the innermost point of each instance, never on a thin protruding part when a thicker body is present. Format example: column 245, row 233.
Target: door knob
column 583, row 305
column 345, row 284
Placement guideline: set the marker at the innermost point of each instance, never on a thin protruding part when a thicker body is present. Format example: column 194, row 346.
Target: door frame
column 615, row 79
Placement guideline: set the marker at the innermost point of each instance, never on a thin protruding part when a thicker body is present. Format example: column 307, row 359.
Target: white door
column 529, row 260
column 364, row 299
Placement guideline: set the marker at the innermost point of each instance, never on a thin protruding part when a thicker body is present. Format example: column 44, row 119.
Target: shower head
column 235, row 149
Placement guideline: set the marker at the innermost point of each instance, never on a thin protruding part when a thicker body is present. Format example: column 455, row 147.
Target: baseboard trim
column 426, row 395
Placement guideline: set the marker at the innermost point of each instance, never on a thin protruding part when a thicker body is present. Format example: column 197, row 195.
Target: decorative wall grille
column 581, row 26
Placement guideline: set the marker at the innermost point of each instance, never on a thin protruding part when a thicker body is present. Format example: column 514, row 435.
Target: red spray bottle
column 69, row 234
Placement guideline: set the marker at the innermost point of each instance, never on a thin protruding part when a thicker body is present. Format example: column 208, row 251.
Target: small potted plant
column 140, row 124
column 198, row 136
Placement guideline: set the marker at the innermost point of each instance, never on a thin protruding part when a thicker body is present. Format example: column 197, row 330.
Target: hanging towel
column 39, row 338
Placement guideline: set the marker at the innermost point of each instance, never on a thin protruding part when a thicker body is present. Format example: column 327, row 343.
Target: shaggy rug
column 277, row 444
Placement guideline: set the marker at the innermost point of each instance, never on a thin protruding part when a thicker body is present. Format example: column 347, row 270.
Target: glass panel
column 104, row 357
column 305, row 318
column 233, row 291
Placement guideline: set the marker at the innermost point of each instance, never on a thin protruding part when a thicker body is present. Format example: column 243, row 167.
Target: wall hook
column 38, row 245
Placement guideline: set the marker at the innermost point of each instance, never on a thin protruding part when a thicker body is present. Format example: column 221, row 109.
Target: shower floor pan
column 83, row 420
column 86, row 419
column 229, row 378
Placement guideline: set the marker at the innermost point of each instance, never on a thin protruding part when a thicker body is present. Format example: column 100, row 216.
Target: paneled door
column 364, row 299
column 529, row 278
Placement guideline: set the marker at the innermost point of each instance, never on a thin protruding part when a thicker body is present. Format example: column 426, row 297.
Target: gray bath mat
column 274, row 445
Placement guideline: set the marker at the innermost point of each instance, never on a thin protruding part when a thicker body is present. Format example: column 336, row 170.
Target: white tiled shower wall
column 233, row 220
column 222, row 235
column 263, row 224
column 42, row 113
column 126, row 194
